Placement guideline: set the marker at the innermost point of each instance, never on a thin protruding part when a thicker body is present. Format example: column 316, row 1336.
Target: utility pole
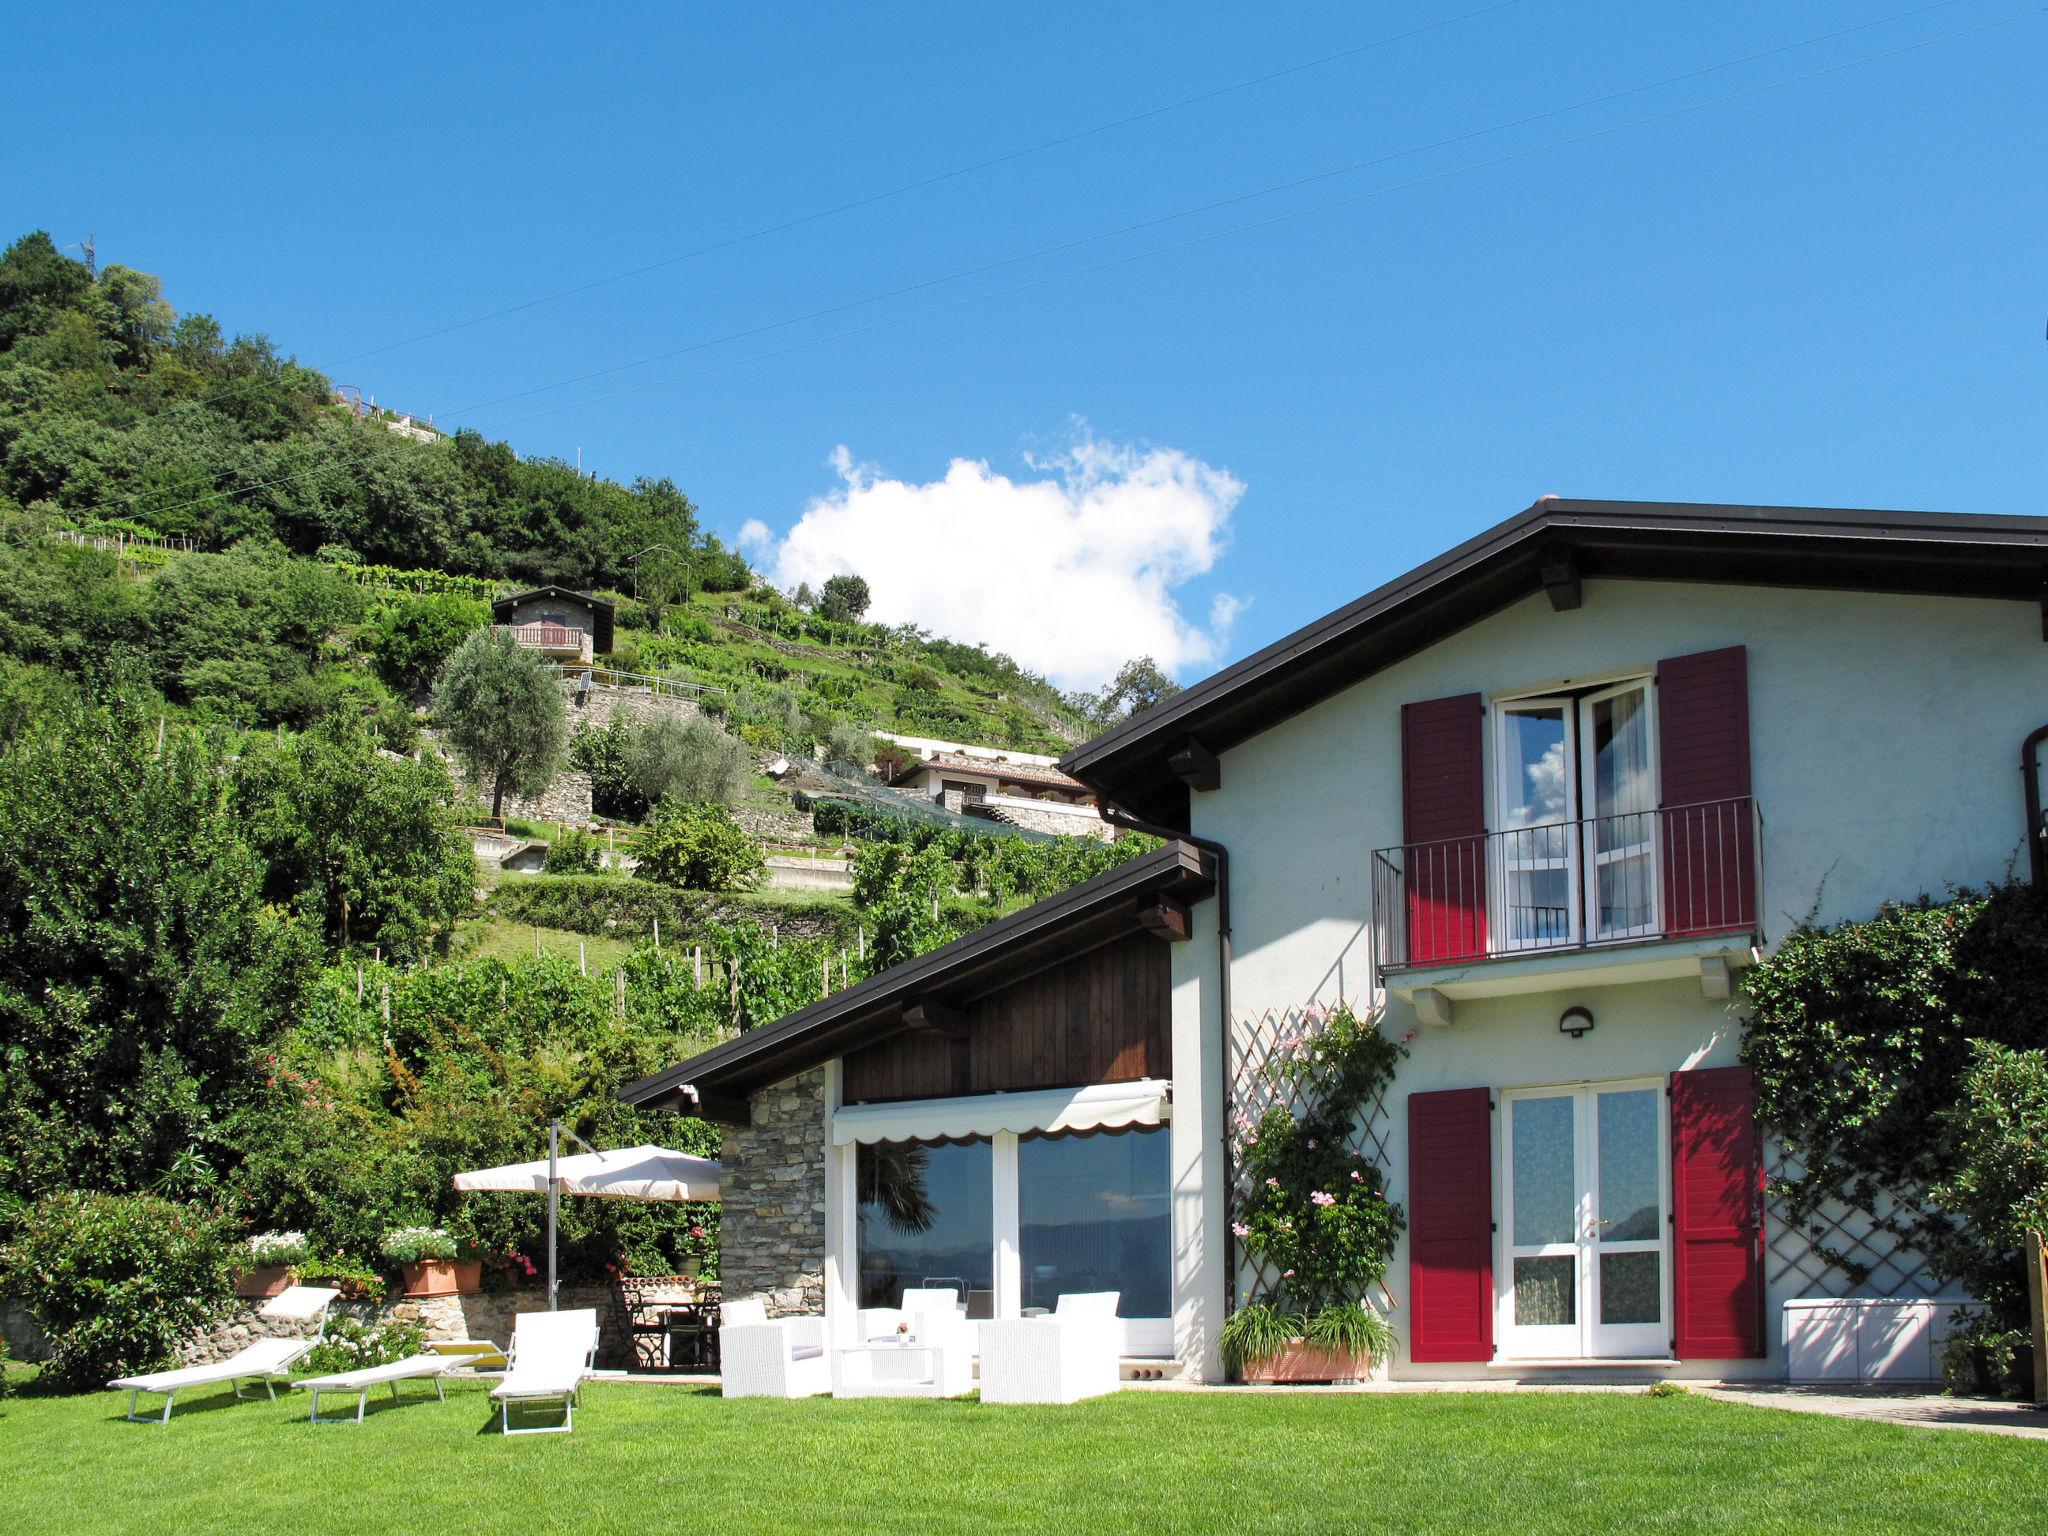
column 92, row 265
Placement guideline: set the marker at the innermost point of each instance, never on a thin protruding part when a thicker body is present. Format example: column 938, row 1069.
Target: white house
column 1536, row 805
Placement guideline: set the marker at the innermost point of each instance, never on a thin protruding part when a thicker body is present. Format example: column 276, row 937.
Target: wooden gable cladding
column 1101, row 1017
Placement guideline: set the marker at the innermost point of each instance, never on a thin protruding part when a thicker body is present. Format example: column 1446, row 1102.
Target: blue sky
column 1828, row 292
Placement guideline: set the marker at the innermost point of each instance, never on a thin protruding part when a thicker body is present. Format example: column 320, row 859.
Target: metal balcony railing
column 1678, row 872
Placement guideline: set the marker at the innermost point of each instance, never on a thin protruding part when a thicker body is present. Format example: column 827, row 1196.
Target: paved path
column 1926, row 1410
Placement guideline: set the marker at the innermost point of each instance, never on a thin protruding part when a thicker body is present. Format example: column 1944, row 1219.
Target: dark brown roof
column 1006, row 951
column 1018, row 773
column 1555, row 544
column 600, row 610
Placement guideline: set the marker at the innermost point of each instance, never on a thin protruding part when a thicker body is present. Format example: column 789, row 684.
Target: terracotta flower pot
column 1303, row 1362
column 270, row 1280
column 442, row 1277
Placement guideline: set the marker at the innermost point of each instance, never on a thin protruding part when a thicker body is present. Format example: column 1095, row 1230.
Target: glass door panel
column 1093, row 1216
column 1543, row 1225
column 926, row 1218
column 1586, row 1264
column 1628, row 1222
column 1537, row 855
column 1621, row 809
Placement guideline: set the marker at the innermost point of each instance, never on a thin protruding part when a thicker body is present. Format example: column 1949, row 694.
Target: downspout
column 1216, row 850
column 2030, row 775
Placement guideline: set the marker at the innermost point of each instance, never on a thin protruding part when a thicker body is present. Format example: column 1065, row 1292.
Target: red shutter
column 1709, row 821
column 1450, row 1225
column 1443, row 820
column 1716, row 1215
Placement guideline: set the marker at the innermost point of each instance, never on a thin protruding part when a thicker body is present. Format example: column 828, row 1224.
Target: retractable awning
column 1104, row 1106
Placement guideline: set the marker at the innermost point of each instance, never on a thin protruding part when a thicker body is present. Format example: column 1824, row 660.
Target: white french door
column 1619, row 797
column 1585, row 1255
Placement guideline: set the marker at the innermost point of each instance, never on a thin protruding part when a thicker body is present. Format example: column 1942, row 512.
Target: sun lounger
column 360, row 1382
column 470, row 1354
column 551, row 1355
column 266, row 1360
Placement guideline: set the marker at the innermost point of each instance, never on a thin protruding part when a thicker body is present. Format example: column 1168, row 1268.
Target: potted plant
column 356, row 1282
column 268, row 1260
column 1315, row 1220
column 432, row 1263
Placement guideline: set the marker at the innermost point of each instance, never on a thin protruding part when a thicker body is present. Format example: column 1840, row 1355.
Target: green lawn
column 650, row 1459
column 501, row 939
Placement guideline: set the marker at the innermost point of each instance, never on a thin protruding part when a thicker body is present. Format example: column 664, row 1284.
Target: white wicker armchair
column 1074, row 1353
column 772, row 1357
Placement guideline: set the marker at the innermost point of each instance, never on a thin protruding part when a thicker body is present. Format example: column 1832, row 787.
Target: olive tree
column 502, row 708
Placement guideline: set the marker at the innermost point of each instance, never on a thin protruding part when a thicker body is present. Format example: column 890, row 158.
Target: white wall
column 1884, row 735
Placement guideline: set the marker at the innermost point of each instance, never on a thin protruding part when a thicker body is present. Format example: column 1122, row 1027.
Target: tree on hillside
column 415, row 636
column 363, row 845
column 1138, row 685
column 685, row 760
column 502, row 707
column 37, row 283
column 142, row 973
column 843, row 599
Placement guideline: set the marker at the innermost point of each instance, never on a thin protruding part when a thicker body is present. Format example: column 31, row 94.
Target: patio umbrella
column 629, row 1173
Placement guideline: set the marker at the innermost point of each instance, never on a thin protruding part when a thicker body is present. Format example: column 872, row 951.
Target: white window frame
column 1587, row 1338
column 1580, row 860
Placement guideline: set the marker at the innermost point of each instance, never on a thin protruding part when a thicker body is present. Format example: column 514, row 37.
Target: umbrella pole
column 554, row 1196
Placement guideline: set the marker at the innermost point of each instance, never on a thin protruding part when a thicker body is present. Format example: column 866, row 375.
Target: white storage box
column 1892, row 1341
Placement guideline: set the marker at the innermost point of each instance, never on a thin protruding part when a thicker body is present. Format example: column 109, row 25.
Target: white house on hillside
column 1534, row 806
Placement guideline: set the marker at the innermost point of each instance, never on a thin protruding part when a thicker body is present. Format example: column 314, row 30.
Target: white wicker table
column 889, row 1369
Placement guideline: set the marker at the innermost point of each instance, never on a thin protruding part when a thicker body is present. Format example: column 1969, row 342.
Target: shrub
column 414, row 1245
column 116, row 1281
column 672, row 759
column 1316, row 1219
column 413, row 636
column 351, row 1279
column 575, row 852
column 700, row 847
column 354, row 1345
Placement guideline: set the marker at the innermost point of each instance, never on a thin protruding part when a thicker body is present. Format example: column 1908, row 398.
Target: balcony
column 1647, row 895
column 558, row 642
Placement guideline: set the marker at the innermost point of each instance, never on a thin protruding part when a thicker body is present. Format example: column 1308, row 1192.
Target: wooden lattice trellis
column 1254, row 1043
column 1802, row 1253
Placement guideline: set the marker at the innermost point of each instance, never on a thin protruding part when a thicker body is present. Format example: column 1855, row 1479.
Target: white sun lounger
column 550, row 1356
column 360, row 1382
column 265, row 1360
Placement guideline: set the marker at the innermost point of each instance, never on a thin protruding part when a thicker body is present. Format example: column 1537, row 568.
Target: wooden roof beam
column 1559, row 570
column 1195, row 766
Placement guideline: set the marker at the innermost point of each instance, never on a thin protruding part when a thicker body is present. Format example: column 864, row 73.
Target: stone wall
column 598, row 705
column 20, row 1332
column 771, row 1225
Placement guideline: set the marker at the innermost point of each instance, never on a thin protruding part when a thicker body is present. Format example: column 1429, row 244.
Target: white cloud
column 1073, row 572
column 755, row 534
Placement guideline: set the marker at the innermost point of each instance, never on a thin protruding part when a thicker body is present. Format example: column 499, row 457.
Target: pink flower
column 1322, row 1199
column 1272, row 1183
column 1408, row 1035
column 1357, row 1177
column 1240, row 1229
column 1287, row 1274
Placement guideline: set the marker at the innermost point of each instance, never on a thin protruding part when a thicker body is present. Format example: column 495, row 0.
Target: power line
column 242, row 386
column 1185, row 213
column 922, row 183
column 1283, row 218
column 1251, row 226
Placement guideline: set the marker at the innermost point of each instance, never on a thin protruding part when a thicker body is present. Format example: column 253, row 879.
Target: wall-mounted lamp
column 1575, row 1021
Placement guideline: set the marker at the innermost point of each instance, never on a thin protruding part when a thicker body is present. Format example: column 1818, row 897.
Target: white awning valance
column 1104, row 1106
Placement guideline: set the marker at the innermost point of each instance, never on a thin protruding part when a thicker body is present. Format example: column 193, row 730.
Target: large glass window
column 1093, row 1217
column 926, row 1219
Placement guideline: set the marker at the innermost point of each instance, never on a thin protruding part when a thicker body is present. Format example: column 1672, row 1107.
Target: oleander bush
column 116, row 1281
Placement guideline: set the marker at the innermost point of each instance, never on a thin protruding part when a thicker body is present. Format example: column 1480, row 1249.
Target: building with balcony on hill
column 569, row 627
